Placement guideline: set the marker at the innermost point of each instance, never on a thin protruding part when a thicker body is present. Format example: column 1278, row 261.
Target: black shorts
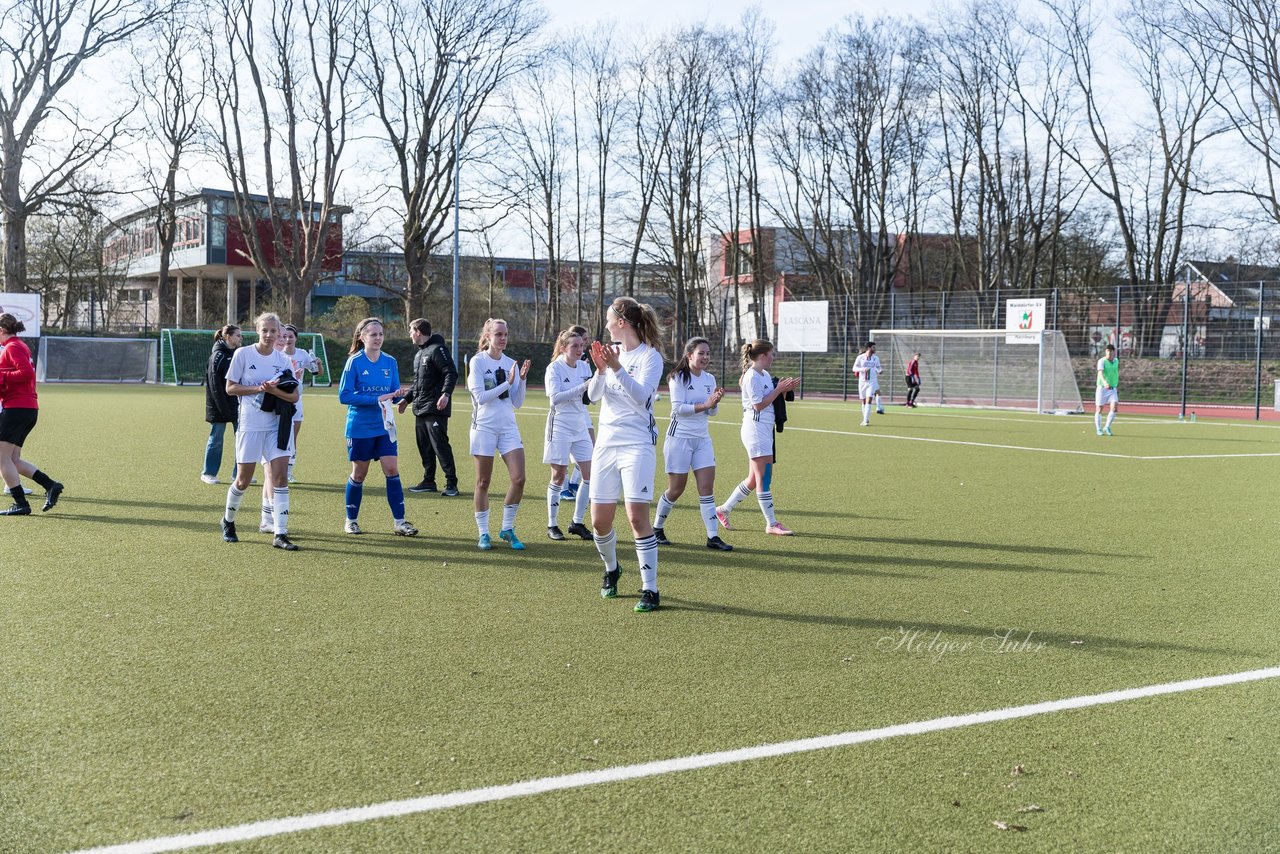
column 16, row 425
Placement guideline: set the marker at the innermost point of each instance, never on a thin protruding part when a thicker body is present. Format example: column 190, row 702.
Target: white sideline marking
column 450, row 800
column 862, row 435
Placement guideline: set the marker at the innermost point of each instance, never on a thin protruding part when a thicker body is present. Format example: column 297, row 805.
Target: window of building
column 739, row 260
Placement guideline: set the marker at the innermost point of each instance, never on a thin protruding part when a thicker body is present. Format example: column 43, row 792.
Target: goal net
column 981, row 367
column 96, row 360
column 184, row 354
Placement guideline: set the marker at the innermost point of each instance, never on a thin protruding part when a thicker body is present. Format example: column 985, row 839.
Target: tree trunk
column 15, row 253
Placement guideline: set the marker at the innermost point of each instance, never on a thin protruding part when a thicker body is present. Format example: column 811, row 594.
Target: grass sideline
column 160, row 681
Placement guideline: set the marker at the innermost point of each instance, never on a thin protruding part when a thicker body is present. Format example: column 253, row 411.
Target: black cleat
column 581, row 530
column 17, row 510
column 51, row 497
column 282, row 542
column 554, row 532
column 450, row 491
column 609, row 588
column 229, row 532
column 649, row 601
column 718, row 544
column 661, row 537
column 424, row 486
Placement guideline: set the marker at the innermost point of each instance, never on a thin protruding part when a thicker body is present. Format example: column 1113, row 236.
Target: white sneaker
column 866, row 423
column 209, row 479
column 266, row 528
column 352, row 527
column 404, row 529
column 26, row 490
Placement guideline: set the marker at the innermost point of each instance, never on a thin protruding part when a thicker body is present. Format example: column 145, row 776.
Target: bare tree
column 851, row 147
column 1243, row 34
column 594, row 57
column 651, row 127
column 1147, row 178
column 750, row 97
column 284, row 74
column 688, row 103
column 429, row 69
column 173, row 95
column 44, row 47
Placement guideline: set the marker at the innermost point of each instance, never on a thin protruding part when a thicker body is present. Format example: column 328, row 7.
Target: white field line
column 489, row 794
column 533, row 410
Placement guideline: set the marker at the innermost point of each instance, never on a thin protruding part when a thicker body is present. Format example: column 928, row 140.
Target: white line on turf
column 451, row 800
column 994, row 445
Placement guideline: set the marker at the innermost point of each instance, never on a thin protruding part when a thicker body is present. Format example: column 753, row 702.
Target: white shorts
column 623, row 472
column 297, row 415
column 260, row 446
column 486, row 443
column 682, row 455
column 868, row 389
column 1103, row 396
column 559, row 453
column 757, row 438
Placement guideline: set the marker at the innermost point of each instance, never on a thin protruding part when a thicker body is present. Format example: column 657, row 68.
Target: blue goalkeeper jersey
column 363, row 382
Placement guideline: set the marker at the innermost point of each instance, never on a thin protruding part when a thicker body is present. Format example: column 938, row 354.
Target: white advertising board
column 1023, row 320
column 25, row 307
column 802, row 327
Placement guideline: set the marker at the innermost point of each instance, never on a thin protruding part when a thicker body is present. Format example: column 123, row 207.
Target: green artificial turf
column 158, row 681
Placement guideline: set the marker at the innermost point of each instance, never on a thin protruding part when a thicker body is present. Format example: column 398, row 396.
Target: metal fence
column 1181, row 344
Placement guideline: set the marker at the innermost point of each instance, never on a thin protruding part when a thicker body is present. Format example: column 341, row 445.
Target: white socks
column 482, row 521
column 234, row 497
column 647, row 556
column 553, row 504
column 583, row 502
column 280, row 501
column 509, row 516
column 707, row 504
column 665, row 506
column 766, row 507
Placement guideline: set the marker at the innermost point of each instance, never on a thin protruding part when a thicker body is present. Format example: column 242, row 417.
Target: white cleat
column 404, row 529
column 212, row 480
column 352, row 527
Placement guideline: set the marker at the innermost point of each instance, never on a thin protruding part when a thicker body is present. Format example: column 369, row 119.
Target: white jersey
column 302, row 362
column 566, row 387
column 756, row 386
column 249, row 367
column 626, row 410
column 685, row 395
column 491, row 411
column 867, row 368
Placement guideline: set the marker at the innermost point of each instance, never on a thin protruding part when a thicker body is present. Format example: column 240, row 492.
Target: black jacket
column 434, row 374
column 780, row 407
column 219, row 407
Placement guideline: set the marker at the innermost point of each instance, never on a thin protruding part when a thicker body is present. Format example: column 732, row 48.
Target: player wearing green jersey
column 1107, row 391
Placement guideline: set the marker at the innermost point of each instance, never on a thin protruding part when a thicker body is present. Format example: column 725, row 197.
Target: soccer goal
column 982, row 367
column 184, row 354
column 96, row 360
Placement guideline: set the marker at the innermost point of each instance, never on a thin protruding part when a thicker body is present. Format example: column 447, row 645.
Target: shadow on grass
column 1088, row 643
column 849, row 562
column 963, row 544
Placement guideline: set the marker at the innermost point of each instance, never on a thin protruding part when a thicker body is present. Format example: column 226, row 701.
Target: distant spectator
column 220, row 408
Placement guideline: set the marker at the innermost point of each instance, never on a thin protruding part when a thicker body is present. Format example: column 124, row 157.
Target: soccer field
column 160, row 683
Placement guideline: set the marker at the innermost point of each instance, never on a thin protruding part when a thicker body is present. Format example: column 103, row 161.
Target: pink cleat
column 723, row 517
column 779, row 530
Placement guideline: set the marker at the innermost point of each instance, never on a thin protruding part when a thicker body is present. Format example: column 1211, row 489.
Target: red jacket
column 17, row 376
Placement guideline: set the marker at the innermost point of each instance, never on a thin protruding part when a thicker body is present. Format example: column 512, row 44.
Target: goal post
column 184, row 354
column 985, row 367
column 95, row 360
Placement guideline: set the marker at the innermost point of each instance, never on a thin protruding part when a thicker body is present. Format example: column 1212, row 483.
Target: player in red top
column 18, row 396
column 913, row 379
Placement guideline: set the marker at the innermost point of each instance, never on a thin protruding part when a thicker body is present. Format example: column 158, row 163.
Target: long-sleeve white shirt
column 565, row 385
column 686, row 422
column 492, row 411
column 756, row 386
column 626, row 395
